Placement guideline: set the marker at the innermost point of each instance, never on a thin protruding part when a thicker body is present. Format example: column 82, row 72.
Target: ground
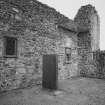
column 77, row 91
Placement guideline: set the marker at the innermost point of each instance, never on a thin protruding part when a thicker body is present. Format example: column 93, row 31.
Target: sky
column 70, row 7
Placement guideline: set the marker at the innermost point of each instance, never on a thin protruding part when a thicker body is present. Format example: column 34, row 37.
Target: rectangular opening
column 67, row 55
column 50, row 72
column 10, row 46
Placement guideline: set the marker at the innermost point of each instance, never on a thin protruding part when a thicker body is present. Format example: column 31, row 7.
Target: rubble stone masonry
column 41, row 30
column 35, row 26
column 88, row 41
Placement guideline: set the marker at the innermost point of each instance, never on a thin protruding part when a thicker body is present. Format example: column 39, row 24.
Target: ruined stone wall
column 35, row 27
column 88, row 41
column 88, row 17
column 87, row 64
column 95, row 32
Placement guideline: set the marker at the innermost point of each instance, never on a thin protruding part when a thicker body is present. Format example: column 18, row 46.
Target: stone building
column 30, row 29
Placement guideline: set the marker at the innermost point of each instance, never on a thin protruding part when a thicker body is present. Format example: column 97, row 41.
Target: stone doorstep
column 58, row 93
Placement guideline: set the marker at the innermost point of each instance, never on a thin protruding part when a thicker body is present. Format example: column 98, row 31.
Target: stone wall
column 35, row 27
column 99, row 56
column 27, row 67
column 71, row 69
column 86, row 64
column 88, row 17
column 88, row 40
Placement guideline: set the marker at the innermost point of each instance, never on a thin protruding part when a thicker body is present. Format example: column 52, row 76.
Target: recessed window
column 67, row 55
column 10, row 46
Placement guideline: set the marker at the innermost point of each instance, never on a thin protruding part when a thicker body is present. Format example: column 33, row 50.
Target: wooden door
column 50, row 72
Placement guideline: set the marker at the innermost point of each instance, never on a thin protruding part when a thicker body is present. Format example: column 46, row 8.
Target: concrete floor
column 78, row 91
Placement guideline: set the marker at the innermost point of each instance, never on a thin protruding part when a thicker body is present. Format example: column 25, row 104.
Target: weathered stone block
column 30, row 70
column 21, row 70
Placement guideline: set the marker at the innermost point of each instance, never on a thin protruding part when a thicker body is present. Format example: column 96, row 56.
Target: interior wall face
column 87, row 64
column 95, row 32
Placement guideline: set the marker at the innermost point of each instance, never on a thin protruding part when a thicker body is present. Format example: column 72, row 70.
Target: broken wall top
column 83, row 17
column 19, row 15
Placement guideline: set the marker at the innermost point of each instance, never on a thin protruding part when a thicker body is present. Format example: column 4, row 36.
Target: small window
column 67, row 55
column 10, row 47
